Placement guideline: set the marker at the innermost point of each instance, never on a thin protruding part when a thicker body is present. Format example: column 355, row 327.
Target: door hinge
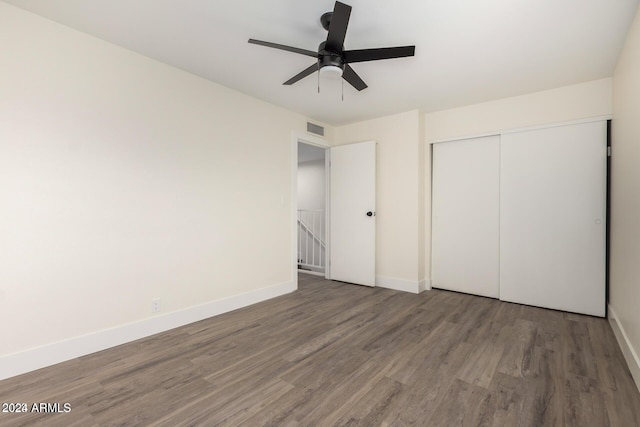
column 608, row 151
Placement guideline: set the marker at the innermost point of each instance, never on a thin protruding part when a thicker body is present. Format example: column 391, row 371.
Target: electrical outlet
column 155, row 305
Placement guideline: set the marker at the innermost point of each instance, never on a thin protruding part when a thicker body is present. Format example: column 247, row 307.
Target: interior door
column 465, row 216
column 553, row 207
column 353, row 206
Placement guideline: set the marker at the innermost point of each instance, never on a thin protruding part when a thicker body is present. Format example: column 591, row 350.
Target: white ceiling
column 467, row 51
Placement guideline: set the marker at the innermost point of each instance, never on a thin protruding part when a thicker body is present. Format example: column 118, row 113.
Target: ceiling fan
column 331, row 56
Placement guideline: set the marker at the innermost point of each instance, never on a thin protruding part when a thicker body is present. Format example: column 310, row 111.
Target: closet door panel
column 552, row 218
column 465, row 216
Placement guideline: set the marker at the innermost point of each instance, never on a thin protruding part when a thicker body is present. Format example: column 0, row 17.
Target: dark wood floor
column 338, row 354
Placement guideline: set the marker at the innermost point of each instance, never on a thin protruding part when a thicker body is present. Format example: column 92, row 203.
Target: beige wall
column 424, row 188
column 398, row 186
column 123, row 180
column 625, row 193
column 591, row 99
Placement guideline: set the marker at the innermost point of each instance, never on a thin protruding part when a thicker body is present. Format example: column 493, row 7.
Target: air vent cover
column 315, row 129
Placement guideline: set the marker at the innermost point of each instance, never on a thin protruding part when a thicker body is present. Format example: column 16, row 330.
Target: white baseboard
column 628, row 351
column 401, row 284
column 312, row 273
column 50, row 354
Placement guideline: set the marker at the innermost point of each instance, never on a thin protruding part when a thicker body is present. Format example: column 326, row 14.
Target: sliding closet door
column 465, row 208
column 552, row 218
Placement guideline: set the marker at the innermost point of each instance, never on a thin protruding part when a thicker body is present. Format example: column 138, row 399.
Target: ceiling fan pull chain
column 342, row 80
column 318, row 79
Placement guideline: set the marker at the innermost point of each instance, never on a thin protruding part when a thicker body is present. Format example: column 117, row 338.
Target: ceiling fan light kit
column 331, row 58
column 331, row 71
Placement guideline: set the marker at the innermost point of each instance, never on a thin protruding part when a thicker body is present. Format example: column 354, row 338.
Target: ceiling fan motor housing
column 327, row 58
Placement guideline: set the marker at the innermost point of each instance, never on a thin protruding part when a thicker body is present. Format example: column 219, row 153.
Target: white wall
column 398, row 219
column 123, row 180
column 311, row 185
column 591, row 99
column 311, row 197
column 625, row 199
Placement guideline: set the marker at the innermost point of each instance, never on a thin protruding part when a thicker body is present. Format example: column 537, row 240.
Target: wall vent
column 315, row 129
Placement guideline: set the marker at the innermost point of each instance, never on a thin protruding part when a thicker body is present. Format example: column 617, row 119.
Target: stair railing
column 311, row 244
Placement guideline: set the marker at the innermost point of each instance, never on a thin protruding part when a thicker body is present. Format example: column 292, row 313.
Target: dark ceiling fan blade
column 338, row 27
column 363, row 55
column 283, row 47
column 301, row 75
column 353, row 78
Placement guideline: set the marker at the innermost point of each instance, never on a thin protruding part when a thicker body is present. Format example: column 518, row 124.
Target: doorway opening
column 348, row 226
column 311, row 215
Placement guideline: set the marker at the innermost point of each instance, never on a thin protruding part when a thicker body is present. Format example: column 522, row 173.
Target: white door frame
column 296, row 137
